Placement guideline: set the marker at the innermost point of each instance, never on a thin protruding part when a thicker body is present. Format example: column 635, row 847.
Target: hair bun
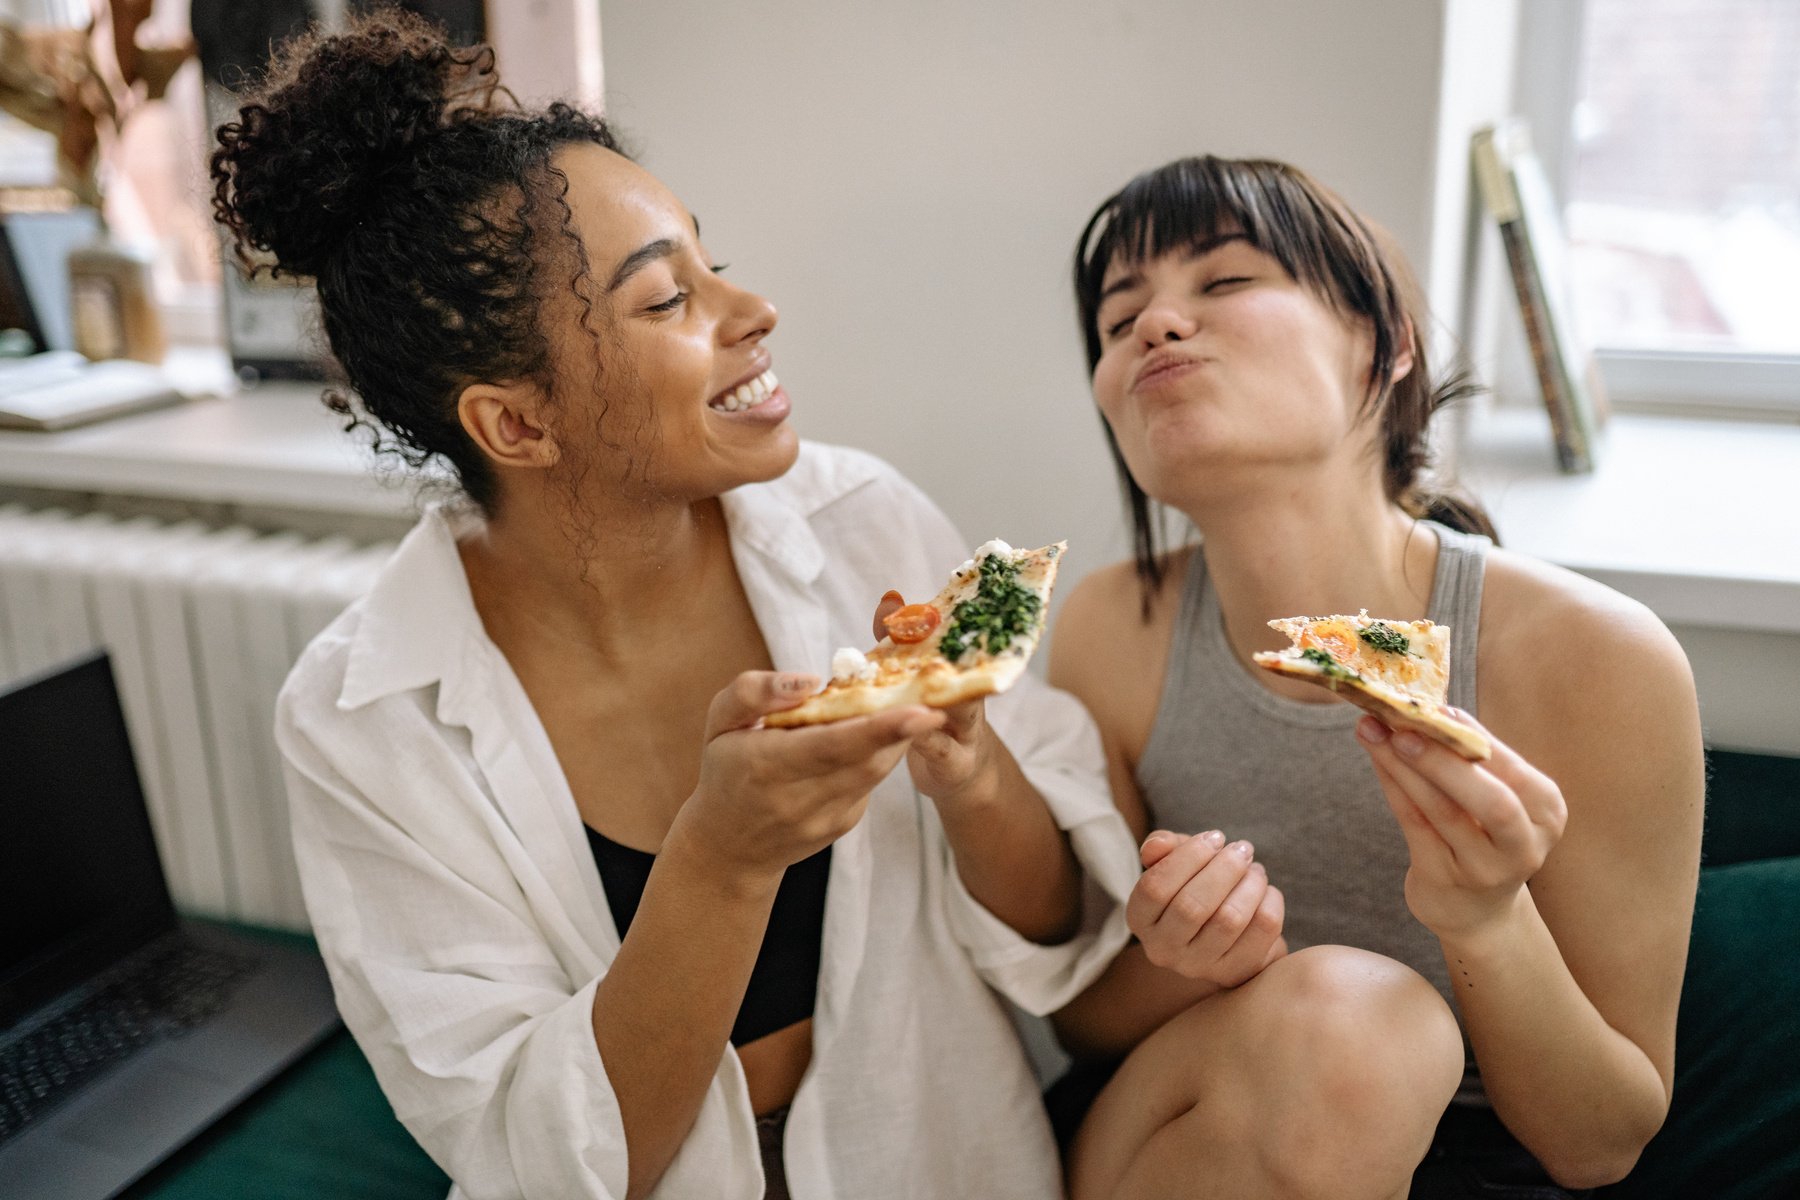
column 336, row 119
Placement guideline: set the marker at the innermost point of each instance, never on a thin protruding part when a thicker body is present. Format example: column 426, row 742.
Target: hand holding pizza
column 961, row 757
column 1204, row 909
column 769, row 798
column 1477, row 831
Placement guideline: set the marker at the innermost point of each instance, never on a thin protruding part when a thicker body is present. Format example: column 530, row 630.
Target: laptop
column 124, row 1029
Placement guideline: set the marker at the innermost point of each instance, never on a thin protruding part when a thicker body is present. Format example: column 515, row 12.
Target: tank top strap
column 1456, row 602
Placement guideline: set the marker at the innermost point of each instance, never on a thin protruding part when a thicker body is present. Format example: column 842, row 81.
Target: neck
column 1311, row 550
column 606, row 585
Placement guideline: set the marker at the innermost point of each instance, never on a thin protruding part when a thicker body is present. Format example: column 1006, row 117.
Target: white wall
column 906, row 181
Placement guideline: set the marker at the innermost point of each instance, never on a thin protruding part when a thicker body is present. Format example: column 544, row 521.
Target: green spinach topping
column 1384, row 637
column 1332, row 667
column 1000, row 610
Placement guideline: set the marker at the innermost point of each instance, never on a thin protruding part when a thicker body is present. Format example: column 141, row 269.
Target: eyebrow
column 1198, row 250
column 640, row 258
column 646, row 254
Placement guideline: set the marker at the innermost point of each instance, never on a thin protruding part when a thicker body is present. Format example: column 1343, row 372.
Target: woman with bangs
column 1363, row 967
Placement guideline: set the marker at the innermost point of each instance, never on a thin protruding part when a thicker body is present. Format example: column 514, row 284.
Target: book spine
column 1573, row 454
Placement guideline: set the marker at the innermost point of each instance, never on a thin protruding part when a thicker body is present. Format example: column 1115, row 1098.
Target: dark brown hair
column 395, row 171
column 1324, row 246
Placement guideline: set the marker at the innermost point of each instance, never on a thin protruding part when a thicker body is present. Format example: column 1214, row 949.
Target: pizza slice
column 973, row 639
column 1397, row 670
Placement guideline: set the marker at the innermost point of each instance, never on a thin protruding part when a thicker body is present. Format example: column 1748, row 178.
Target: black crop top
column 785, row 979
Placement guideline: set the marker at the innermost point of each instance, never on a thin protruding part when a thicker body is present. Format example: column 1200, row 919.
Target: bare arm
column 1103, row 656
column 1009, row 853
column 1569, row 986
column 766, row 798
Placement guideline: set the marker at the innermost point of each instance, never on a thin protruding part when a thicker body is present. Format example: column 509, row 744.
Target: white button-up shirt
column 458, row 906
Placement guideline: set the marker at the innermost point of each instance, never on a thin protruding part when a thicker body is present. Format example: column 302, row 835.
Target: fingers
column 1160, row 884
column 1451, row 791
column 891, row 602
column 1267, row 910
column 1200, row 915
column 1156, row 847
column 755, row 694
column 1423, row 843
column 1536, row 790
column 818, row 749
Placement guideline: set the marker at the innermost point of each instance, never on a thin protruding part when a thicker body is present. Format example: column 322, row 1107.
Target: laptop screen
column 80, row 881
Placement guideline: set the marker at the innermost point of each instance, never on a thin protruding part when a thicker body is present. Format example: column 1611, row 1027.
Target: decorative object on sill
column 111, row 303
column 81, row 84
column 1517, row 195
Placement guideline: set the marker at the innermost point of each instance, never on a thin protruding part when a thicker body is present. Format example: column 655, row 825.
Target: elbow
column 1584, row 1174
column 1579, row 1168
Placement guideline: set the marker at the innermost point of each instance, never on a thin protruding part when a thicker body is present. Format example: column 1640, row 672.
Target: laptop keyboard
column 174, row 989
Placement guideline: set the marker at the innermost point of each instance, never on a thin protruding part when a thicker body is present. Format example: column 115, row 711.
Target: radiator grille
column 202, row 625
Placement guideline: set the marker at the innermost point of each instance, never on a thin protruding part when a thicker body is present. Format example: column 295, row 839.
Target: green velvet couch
column 323, row 1131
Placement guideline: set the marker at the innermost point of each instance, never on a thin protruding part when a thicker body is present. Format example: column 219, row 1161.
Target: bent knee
column 1371, row 1029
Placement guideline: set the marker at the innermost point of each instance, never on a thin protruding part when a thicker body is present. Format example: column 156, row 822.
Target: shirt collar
column 417, row 619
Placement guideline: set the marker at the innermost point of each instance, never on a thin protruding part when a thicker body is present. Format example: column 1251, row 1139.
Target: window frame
column 1690, row 382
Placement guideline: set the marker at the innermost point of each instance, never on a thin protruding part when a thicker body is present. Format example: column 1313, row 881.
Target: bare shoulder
column 1589, row 685
column 1110, row 653
column 1545, row 630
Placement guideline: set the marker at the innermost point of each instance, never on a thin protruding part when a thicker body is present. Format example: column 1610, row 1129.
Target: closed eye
column 1217, row 283
column 1119, row 326
column 671, row 304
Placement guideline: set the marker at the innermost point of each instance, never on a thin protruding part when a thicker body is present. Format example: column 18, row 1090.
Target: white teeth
column 747, row 395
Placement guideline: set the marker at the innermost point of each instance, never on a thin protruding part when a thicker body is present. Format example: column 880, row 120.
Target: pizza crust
column 1387, row 705
column 917, row 673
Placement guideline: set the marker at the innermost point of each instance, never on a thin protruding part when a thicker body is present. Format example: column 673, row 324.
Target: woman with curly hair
column 1327, row 899
column 599, row 931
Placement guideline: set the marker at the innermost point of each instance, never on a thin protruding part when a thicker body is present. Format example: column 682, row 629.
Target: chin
column 770, row 460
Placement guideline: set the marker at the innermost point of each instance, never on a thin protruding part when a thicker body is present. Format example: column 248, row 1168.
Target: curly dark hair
column 1323, row 244
column 394, row 170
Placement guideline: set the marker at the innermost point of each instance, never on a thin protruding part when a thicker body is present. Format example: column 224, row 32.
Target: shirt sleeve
column 1058, row 748
column 481, row 1041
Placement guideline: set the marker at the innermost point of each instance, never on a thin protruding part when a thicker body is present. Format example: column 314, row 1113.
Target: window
column 1674, row 133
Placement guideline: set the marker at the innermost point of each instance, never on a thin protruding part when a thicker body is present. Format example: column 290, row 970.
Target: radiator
column 202, row 625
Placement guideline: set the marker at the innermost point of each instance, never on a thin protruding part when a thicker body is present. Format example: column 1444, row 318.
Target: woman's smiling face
column 1212, row 357
column 684, row 402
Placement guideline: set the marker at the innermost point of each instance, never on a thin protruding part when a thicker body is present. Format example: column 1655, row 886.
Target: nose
column 752, row 318
column 1163, row 321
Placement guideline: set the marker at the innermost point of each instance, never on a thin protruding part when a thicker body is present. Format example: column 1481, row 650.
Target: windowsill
column 274, row 446
column 1698, row 519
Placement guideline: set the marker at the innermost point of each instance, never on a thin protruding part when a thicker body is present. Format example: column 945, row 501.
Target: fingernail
column 892, row 597
column 1409, row 743
column 1244, row 849
column 1158, row 838
column 795, row 684
column 1214, row 838
column 1258, row 869
column 1371, row 731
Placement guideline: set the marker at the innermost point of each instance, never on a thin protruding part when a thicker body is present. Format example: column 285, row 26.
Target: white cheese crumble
column 992, row 546
column 850, row 663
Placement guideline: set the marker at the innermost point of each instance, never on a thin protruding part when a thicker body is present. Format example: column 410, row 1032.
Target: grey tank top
column 1227, row 753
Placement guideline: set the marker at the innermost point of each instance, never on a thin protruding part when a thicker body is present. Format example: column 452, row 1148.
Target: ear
column 506, row 421
column 1403, row 356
